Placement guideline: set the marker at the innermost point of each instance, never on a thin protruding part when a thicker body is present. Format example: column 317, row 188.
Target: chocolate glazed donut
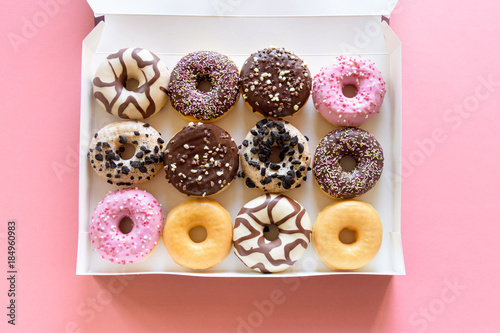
column 275, row 82
column 362, row 147
column 201, row 160
column 196, row 67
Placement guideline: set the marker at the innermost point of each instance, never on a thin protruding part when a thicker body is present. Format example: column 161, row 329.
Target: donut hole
column 349, row 90
column 276, row 155
column 271, row 232
column 203, row 83
column 198, row 234
column 131, row 84
column 126, row 225
column 126, row 151
column 348, row 236
column 347, row 163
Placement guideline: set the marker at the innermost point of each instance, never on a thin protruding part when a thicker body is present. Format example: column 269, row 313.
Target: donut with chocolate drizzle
column 275, row 82
column 201, row 160
column 111, row 80
column 256, row 248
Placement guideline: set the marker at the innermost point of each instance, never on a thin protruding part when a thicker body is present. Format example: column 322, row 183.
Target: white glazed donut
column 108, row 145
column 270, row 256
column 342, row 110
column 139, row 64
column 291, row 165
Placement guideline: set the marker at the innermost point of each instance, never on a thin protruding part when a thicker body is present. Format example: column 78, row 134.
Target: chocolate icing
column 248, row 218
column 222, row 74
column 357, row 143
column 201, row 159
column 275, row 82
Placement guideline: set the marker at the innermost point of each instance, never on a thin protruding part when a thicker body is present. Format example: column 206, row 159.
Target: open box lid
column 244, row 7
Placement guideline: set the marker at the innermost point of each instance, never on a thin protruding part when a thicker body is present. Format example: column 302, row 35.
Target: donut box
column 317, row 31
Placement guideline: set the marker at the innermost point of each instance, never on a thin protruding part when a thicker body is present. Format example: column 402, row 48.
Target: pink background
column 451, row 90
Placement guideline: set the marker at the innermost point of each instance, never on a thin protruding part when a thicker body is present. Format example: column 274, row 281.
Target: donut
column 195, row 104
column 201, row 160
column 117, row 70
column 340, row 107
column 327, row 170
column 275, row 82
column 356, row 217
column 107, row 232
column 107, row 152
column 193, row 254
column 275, row 156
column 261, row 215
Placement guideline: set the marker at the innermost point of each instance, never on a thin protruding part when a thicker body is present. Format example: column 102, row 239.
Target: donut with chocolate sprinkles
column 366, row 151
column 275, row 82
column 190, row 99
column 108, row 153
column 201, row 160
column 275, row 156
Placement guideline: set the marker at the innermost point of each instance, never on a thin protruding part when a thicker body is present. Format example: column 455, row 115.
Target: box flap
column 244, row 8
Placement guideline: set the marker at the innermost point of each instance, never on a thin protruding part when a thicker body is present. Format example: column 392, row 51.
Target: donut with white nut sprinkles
column 108, row 154
column 359, row 219
column 109, row 233
column 253, row 239
column 349, row 91
column 201, row 160
column 275, row 156
column 113, row 76
column 275, row 82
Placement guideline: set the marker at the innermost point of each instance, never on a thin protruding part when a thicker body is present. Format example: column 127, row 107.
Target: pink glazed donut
column 106, row 230
column 363, row 77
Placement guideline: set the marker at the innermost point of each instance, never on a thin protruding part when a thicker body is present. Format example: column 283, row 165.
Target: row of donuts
column 201, row 160
column 273, row 81
column 253, row 244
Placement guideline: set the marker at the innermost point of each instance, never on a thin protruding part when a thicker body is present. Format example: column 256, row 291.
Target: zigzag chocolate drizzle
column 109, row 102
column 255, row 250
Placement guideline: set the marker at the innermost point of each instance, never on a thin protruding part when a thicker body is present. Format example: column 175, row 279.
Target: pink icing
column 338, row 109
column 147, row 217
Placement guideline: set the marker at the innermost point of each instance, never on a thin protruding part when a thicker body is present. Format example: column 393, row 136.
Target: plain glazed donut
column 339, row 109
column 147, row 221
column 359, row 218
column 201, row 160
column 141, row 65
column 108, row 145
column 197, row 105
column 275, row 82
column 362, row 147
column 278, row 211
column 266, row 171
column 213, row 218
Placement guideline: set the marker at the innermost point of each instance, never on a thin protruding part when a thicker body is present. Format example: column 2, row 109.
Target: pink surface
column 451, row 88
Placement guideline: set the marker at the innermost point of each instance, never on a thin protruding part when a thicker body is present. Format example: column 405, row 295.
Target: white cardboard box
column 316, row 31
